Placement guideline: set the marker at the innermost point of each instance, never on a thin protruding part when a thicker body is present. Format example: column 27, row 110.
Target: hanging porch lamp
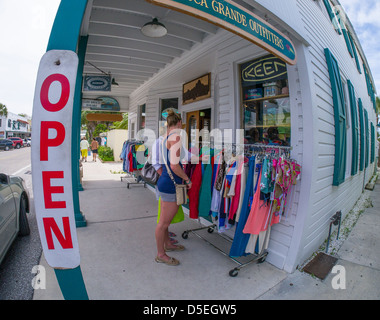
column 154, row 29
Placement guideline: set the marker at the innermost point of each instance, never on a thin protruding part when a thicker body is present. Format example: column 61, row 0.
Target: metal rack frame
column 131, row 179
column 259, row 258
column 130, row 176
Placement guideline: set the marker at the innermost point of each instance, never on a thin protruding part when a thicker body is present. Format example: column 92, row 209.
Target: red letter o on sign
column 44, row 96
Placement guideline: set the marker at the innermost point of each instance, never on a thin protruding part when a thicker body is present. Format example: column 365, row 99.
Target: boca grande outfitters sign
column 235, row 18
column 51, row 158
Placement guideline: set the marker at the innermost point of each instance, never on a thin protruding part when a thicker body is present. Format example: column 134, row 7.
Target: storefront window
column 166, row 105
column 265, row 101
column 142, row 117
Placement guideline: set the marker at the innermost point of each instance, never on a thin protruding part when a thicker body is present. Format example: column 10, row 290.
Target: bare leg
column 168, row 211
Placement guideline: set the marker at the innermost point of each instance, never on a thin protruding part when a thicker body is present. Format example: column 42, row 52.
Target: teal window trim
column 348, row 42
column 373, row 139
column 355, row 128
column 332, row 16
column 369, row 85
column 329, row 9
column 373, row 98
column 339, row 119
column 366, row 138
column 355, row 52
column 362, row 137
column 370, row 88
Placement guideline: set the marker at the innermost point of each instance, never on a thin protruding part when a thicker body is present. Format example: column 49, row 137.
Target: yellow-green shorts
column 84, row 153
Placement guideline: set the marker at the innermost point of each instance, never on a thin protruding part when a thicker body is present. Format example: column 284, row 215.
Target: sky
column 25, row 30
column 365, row 18
column 25, row 27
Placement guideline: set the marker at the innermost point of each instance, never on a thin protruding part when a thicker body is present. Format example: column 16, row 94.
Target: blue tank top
column 165, row 183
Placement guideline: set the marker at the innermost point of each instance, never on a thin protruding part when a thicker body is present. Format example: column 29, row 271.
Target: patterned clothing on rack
column 134, row 155
column 248, row 194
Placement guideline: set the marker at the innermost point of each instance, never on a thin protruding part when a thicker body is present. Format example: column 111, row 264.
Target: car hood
column 16, row 180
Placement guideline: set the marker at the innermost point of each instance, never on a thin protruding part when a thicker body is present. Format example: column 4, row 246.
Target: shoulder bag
column 149, row 174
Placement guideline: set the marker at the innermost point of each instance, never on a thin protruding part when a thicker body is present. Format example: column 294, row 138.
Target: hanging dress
column 241, row 239
column 236, row 198
column 193, row 192
column 205, row 192
column 259, row 213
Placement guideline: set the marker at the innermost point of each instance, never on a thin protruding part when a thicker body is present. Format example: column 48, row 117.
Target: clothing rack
column 133, row 177
column 259, row 257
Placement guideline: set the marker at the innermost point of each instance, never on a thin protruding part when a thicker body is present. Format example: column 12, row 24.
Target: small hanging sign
column 97, row 83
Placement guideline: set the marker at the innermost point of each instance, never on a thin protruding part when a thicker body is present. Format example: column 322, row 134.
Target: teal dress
column 205, row 191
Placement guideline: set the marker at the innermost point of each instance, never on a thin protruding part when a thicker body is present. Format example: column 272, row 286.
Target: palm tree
column 3, row 110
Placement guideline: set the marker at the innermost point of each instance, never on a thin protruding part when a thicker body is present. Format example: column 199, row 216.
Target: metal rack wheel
column 263, row 258
column 185, row 235
column 234, row 272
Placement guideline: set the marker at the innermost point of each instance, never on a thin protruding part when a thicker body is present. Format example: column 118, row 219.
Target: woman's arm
column 174, row 145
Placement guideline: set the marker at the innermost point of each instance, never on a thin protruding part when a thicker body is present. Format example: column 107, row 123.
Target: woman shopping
column 170, row 154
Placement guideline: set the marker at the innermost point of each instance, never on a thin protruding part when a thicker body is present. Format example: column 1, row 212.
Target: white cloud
column 365, row 17
column 25, row 28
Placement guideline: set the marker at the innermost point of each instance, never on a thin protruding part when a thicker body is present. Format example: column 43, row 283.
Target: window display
column 265, row 101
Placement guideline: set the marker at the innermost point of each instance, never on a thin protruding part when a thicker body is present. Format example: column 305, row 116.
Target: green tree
column 123, row 124
column 101, row 127
column 378, row 104
column 3, row 110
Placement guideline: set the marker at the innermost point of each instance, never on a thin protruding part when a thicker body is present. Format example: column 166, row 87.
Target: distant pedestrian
column 94, row 148
column 84, row 146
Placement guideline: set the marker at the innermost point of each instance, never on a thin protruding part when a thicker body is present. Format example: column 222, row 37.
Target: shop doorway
column 196, row 121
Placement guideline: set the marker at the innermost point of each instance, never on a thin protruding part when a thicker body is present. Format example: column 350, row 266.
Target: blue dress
column 241, row 239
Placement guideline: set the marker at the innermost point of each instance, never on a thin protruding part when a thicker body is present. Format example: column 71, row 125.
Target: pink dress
column 258, row 215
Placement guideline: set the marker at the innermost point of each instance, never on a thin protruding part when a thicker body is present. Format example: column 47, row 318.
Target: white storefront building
column 320, row 98
column 14, row 125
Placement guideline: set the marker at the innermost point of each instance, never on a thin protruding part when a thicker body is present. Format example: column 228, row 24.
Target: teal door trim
column 77, row 109
column 71, row 283
column 65, row 36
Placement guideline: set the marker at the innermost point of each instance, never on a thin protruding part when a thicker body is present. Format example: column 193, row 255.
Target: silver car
column 14, row 204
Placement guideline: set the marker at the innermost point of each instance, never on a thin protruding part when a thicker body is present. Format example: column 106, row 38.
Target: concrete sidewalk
column 118, row 249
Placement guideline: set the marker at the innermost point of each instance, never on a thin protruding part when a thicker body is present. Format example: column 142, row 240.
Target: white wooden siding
column 325, row 198
column 315, row 200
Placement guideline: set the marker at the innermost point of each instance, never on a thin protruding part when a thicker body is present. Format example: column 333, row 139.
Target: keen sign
column 268, row 68
column 51, row 158
column 235, row 18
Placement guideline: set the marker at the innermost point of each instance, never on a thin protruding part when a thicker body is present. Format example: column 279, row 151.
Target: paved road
column 16, row 269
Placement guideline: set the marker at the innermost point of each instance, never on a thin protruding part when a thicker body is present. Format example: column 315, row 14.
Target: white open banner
column 51, row 157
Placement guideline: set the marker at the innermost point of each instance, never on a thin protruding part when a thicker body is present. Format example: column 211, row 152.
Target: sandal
column 171, row 262
column 176, row 248
column 172, row 234
column 173, row 241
